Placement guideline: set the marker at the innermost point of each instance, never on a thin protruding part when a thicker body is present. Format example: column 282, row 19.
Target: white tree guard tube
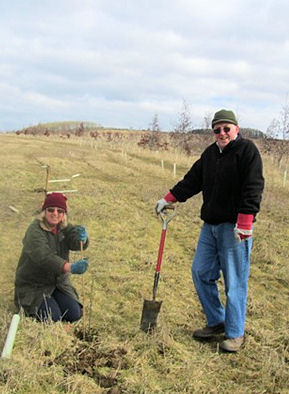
column 7, row 350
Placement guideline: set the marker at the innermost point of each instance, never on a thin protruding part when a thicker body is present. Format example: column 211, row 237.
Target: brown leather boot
column 232, row 344
column 209, row 332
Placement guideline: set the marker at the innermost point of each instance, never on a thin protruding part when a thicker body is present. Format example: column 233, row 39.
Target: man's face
column 225, row 133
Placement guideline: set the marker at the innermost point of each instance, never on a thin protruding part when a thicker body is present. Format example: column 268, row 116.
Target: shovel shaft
column 159, row 262
column 161, row 250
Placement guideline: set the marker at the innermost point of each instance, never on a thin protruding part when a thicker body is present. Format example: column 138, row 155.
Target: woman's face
column 53, row 215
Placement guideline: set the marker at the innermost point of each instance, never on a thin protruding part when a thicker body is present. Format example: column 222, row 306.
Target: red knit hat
column 55, row 200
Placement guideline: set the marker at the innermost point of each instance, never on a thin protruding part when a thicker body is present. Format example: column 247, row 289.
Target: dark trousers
column 59, row 306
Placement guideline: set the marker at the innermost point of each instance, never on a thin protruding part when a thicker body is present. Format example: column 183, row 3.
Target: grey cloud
column 124, row 61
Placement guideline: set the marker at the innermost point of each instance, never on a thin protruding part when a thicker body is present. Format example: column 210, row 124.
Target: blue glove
column 81, row 234
column 79, row 267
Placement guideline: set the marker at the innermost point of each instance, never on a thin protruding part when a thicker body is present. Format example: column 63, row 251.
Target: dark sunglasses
column 51, row 210
column 218, row 130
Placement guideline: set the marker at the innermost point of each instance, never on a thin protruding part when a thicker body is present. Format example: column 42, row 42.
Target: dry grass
column 117, row 190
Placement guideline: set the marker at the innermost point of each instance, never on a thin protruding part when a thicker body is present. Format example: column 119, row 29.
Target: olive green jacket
column 40, row 267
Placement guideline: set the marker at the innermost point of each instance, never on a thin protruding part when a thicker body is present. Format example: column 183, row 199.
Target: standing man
column 229, row 175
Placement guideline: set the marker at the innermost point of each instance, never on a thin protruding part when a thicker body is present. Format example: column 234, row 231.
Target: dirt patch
column 88, row 358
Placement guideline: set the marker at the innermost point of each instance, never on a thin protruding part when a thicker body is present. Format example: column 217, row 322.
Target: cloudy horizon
column 120, row 63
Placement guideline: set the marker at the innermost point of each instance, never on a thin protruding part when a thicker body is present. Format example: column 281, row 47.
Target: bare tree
column 279, row 128
column 184, row 123
column 284, row 120
column 80, row 130
column 273, row 130
column 155, row 123
column 207, row 121
column 152, row 139
column 277, row 132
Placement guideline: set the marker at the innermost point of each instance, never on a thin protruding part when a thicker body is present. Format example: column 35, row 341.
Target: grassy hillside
column 117, row 190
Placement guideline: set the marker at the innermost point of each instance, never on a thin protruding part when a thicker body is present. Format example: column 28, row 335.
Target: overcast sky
column 118, row 63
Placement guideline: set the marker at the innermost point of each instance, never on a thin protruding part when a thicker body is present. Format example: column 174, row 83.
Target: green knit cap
column 224, row 116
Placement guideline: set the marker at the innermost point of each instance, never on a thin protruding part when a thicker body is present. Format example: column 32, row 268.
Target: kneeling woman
column 42, row 283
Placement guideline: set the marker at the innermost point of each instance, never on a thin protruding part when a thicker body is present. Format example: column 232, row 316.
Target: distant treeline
column 81, row 128
column 191, row 142
column 62, row 128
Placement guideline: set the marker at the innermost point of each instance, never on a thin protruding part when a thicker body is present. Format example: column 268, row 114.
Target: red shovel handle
column 161, row 250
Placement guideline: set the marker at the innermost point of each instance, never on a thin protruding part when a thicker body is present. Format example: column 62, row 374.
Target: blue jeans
column 217, row 251
column 59, row 306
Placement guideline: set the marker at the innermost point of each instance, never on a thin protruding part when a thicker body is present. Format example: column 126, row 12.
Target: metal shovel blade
column 149, row 315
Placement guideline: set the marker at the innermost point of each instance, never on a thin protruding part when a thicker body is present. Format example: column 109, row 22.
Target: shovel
column 151, row 309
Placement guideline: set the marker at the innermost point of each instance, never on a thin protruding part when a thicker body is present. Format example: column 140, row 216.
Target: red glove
column 243, row 228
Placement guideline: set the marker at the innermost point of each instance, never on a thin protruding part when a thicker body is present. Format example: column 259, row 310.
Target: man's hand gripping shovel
column 151, row 308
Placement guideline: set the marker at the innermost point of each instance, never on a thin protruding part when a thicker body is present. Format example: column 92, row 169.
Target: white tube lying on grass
column 7, row 350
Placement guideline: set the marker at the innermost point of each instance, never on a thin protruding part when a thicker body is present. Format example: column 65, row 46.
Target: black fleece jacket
column 231, row 181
